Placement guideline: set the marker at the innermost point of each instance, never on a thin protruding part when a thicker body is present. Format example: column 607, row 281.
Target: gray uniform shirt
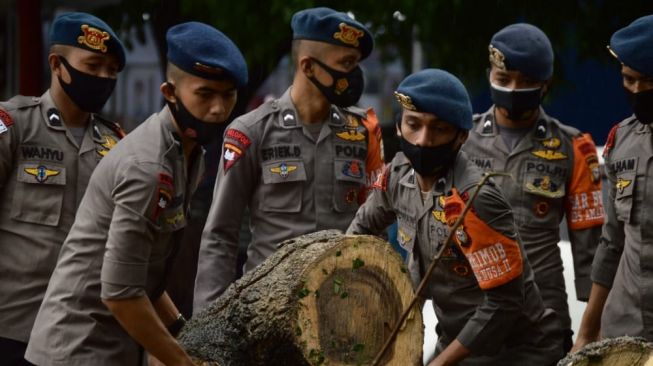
column 548, row 177
column 502, row 325
column 292, row 183
column 120, row 246
column 44, row 172
column 624, row 257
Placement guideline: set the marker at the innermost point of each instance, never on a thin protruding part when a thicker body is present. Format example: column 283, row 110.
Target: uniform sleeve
column 486, row 330
column 8, row 145
column 584, row 211
column 376, row 213
column 140, row 195
column 611, row 244
column 237, row 176
column 374, row 161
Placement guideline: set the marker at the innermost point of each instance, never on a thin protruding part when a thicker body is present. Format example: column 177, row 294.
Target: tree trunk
column 622, row 351
column 322, row 298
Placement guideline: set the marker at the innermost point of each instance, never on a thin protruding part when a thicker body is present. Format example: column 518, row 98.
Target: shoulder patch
column 5, row 121
column 235, row 144
column 383, row 179
column 165, row 194
column 609, row 143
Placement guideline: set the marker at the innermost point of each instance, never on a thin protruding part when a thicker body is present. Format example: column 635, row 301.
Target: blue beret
column 330, row 26
column 525, row 48
column 87, row 32
column 204, row 51
column 633, row 45
column 438, row 92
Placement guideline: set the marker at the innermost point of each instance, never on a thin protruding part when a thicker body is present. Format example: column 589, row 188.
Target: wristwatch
column 176, row 326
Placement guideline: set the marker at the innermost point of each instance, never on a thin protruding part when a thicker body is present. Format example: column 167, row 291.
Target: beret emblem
column 348, row 34
column 497, row 58
column 94, row 38
column 405, row 101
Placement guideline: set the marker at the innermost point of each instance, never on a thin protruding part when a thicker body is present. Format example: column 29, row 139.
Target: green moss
column 357, row 263
column 338, row 287
column 316, row 356
column 303, row 293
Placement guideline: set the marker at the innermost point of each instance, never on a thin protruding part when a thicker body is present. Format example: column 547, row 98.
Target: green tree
column 454, row 33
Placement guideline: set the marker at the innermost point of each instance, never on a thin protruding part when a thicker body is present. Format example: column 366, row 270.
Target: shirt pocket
column 349, row 180
column 623, row 202
column 282, row 188
column 543, row 199
column 39, row 194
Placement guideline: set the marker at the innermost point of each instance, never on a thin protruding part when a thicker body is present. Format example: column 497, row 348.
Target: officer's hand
column 437, row 362
column 582, row 341
column 153, row 361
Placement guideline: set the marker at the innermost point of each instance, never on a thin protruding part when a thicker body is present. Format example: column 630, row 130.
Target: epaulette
column 254, row 116
column 113, row 126
column 357, row 111
column 566, row 129
column 20, row 102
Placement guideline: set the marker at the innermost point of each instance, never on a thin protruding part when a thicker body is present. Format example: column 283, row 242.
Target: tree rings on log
column 321, row 299
column 622, row 351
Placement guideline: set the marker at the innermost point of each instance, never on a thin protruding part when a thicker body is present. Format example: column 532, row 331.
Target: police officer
column 301, row 163
column 488, row 308
column 621, row 301
column 49, row 145
column 106, row 297
column 554, row 168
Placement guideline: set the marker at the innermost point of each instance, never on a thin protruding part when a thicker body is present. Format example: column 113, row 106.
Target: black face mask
column 202, row 132
column 516, row 101
column 430, row 161
column 88, row 92
column 347, row 87
column 642, row 104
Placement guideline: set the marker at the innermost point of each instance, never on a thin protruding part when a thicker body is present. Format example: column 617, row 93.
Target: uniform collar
column 541, row 130
column 641, row 128
column 488, row 126
column 53, row 119
column 289, row 119
column 168, row 125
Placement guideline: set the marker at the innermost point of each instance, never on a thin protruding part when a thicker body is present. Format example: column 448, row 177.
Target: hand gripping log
column 434, row 262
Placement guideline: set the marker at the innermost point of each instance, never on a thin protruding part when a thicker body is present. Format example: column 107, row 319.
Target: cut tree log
column 322, row 298
column 621, row 351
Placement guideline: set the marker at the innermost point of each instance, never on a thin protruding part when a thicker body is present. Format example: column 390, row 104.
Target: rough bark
column 322, row 298
column 622, row 351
